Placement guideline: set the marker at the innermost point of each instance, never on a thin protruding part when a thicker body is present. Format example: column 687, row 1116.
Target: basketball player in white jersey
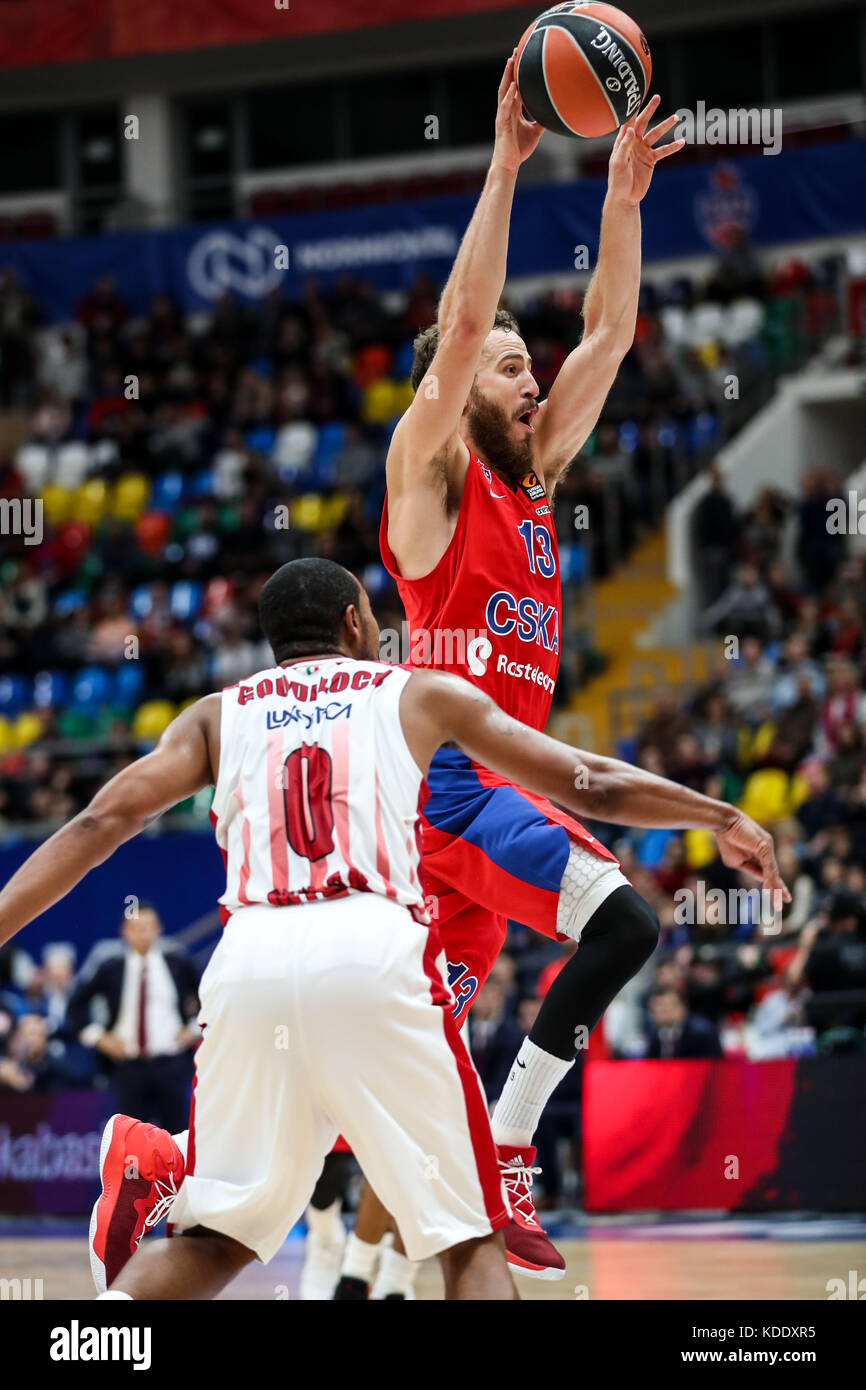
column 324, row 1008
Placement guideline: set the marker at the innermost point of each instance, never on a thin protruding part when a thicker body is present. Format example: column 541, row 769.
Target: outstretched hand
column 516, row 137
column 746, row 846
column 634, row 157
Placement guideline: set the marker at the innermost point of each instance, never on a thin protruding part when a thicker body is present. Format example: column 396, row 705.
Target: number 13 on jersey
column 538, row 551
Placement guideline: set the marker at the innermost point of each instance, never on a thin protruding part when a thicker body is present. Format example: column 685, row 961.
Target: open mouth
column 526, row 419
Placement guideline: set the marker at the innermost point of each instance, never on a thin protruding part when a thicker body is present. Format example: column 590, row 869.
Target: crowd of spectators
column 180, row 460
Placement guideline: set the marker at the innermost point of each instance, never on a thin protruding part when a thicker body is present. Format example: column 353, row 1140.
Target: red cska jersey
column 491, row 609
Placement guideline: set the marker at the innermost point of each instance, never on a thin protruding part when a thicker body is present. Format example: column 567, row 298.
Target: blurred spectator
column 494, row 1038
column 674, row 1032
column 835, row 968
column 818, row 551
column 745, row 608
column 32, row 1062
column 715, row 538
column 147, row 1032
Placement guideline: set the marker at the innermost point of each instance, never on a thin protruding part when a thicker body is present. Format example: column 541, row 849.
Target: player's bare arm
column 566, row 419
column 437, row 707
column 183, row 761
column 427, row 458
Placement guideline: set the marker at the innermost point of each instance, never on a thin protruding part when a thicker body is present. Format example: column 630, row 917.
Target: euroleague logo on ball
column 613, row 84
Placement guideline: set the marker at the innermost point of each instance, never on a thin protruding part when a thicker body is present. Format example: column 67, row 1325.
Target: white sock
column 396, row 1272
column 359, row 1260
column 326, row 1225
column 182, row 1141
column 111, row 1294
column 533, row 1078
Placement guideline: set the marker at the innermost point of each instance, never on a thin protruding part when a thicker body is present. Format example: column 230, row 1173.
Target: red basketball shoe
column 527, row 1248
column 141, row 1168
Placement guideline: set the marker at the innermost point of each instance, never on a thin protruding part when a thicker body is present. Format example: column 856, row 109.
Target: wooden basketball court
column 600, row 1266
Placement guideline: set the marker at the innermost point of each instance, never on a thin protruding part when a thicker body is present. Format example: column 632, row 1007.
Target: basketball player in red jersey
column 467, row 533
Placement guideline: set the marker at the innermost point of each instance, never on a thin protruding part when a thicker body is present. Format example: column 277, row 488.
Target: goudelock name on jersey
column 317, row 791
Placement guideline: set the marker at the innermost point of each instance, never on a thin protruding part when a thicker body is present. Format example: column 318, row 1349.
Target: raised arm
column 179, row 766
column 427, row 458
column 437, row 707
column 568, row 416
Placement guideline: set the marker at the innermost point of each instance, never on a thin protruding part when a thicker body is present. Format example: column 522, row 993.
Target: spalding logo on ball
column 583, row 69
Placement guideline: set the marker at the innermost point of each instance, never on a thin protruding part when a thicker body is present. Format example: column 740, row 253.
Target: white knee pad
column 586, row 881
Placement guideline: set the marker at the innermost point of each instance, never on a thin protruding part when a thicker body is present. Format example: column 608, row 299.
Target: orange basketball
column 583, row 69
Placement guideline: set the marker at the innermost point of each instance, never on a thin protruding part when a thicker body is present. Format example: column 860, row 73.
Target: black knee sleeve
column 333, row 1180
column 627, row 921
column 616, row 941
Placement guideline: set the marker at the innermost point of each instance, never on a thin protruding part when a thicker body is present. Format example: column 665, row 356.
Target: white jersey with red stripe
column 317, row 791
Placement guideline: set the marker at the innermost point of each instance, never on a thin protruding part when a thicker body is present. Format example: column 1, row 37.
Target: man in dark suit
column 674, row 1032
column 149, row 1003
column 494, row 1038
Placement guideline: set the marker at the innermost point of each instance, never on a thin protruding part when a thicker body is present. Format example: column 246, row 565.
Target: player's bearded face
column 491, row 428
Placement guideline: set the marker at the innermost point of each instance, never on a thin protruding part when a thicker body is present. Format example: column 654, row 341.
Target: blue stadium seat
column 403, row 359
column 626, row 749
column 141, row 601
column 50, row 689
column 652, row 848
column 573, row 562
column 629, row 434
column 332, row 437
column 69, row 602
column 167, row 492
column 91, row 687
column 185, row 599
column 261, row 438
column 203, row 483
column 128, row 684
column 15, row 695
column 706, row 428
column 375, row 578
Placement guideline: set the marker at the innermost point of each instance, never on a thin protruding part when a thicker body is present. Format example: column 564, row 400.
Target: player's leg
column 615, row 940
column 195, row 1265
column 518, row 854
column 257, row 1142
column 418, row 1122
column 396, row 1275
column 475, row 1269
column 362, row 1252
column 472, row 938
column 326, row 1234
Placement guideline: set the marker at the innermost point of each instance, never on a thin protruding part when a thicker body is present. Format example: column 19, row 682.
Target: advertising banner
column 731, row 1135
column 795, row 195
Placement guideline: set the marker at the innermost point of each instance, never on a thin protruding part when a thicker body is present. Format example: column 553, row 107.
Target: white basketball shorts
column 329, row 1018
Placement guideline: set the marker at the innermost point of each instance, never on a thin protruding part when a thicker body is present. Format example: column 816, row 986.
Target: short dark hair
column 661, row 992
column 301, row 606
column 426, row 343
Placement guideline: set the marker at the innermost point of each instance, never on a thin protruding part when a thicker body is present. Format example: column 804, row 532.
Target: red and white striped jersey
column 317, row 791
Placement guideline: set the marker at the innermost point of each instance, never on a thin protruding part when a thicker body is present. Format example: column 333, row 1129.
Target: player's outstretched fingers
column 661, row 129
column 507, row 77
column 667, row 149
column 642, row 119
